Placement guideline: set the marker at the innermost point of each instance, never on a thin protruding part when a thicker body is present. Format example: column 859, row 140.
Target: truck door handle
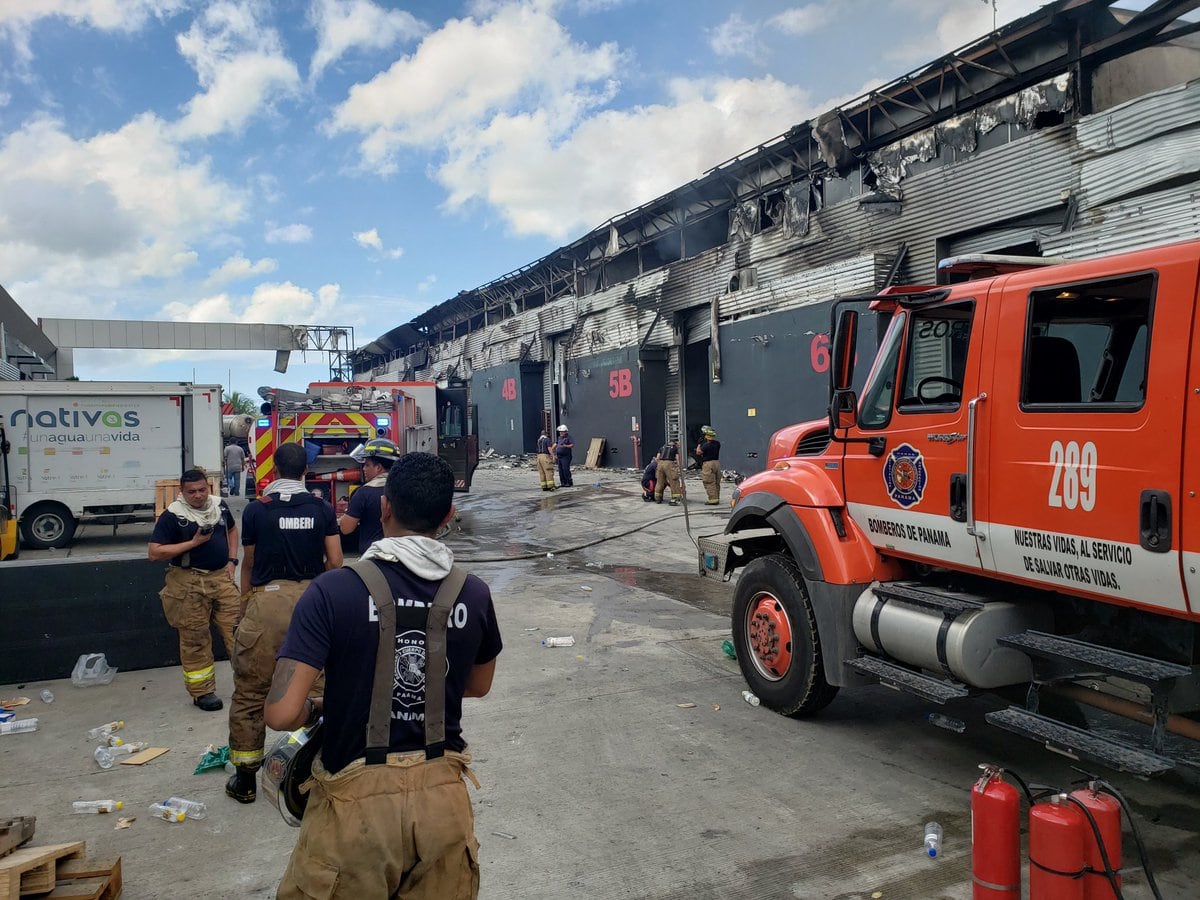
column 1154, row 521
column 971, row 408
column 958, row 496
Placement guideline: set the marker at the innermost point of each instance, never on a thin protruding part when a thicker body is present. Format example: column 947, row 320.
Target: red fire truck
column 1009, row 507
column 332, row 418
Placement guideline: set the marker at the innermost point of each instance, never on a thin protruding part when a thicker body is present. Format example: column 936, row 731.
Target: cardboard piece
column 144, row 756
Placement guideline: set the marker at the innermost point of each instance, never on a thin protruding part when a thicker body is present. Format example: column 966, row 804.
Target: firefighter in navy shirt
column 413, row 832
column 363, row 512
column 563, row 448
column 708, row 452
column 197, row 535
column 290, row 537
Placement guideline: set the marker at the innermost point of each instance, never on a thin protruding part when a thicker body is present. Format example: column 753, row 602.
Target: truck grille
column 813, row 444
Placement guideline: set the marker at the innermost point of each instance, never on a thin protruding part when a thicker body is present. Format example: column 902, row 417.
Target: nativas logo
column 77, row 418
column 79, row 426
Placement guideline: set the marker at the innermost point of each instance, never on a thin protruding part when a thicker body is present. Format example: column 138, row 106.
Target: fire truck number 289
column 1074, row 481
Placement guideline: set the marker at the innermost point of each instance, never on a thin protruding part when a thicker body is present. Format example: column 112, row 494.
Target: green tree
column 242, row 405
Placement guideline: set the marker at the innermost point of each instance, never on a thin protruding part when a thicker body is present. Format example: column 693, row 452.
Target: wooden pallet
column 15, row 831
column 59, row 871
column 595, row 452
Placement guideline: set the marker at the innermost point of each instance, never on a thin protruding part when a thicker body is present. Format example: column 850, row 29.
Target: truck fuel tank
column 915, row 633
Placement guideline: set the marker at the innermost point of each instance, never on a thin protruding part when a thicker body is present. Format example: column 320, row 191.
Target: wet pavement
column 625, row 766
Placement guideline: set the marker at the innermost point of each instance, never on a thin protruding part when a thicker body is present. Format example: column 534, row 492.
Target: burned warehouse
column 1070, row 133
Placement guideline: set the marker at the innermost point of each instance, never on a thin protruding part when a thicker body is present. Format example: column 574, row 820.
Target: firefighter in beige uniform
column 708, row 452
column 545, row 462
column 668, row 472
column 198, row 536
column 290, row 537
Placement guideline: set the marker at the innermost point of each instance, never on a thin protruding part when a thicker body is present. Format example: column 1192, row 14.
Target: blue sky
column 355, row 162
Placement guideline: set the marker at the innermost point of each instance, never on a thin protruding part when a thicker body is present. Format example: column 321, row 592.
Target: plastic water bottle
column 100, row 731
column 933, row 839
column 956, row 725
column 16, row 726
column 106, row 756
column 194, row 809
column 167, row 813
column 559, row 641
column 96, row 806
column 47, row 695
column 751, row 698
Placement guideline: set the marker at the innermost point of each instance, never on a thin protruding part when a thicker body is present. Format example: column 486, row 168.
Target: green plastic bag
column 214, row 758
column 727, row 646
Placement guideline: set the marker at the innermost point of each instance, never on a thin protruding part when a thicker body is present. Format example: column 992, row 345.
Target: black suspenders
column 433, row 620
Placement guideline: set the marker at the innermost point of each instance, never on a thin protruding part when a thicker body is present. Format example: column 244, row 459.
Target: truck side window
column 1088, row 345
column 936, row 362
column 876, row 407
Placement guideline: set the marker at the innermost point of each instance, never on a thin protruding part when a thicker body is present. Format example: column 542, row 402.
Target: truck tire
column 775, row 636
column 47, row 525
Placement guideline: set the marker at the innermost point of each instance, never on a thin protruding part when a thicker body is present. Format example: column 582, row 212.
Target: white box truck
column 92, row 451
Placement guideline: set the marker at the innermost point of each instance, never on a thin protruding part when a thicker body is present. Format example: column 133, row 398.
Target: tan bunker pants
column 668, row 475
column 545, row 466
column 259, row 636
column 191, row 599
column 710, row 476
column 404, row 829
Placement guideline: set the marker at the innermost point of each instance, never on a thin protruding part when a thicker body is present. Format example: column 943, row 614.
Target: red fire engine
column 332, row 418
column 1009, row 507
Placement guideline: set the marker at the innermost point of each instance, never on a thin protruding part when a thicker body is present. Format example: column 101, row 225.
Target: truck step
column 1081, row 658
column 1075, row 742
column 909, row 681
column 714, row 548
column 947, row 602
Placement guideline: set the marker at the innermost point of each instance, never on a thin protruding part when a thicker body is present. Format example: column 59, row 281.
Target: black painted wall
column 56, row 610
column 509, row 424
column 607, row 393
column 770, row 378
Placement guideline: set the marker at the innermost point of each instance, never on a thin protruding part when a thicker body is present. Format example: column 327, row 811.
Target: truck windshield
column 876, row 406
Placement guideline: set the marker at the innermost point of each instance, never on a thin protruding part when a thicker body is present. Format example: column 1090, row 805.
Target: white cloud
column 237, row 267
column 240, row 64
column 734, row 37
column 276, row 303
column 368, row 239
column 800, row 20
column 79, row 216
column 953, row 24
column 288, row 234
column 372, row 241
column 426, row 284
column 616, row 160
column 344, row 25
column 17, row 17
column 469, row 72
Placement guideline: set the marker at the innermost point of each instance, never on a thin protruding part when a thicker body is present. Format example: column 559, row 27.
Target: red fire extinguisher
column 995, row 837
column 1057, row 850
column 1106, row 811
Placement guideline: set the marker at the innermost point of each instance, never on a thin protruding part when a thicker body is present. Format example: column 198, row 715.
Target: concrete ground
column 626, row 766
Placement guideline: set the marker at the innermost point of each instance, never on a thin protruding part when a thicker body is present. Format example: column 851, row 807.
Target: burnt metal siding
column 592, row 410
column 509, row 426
column 769, row 379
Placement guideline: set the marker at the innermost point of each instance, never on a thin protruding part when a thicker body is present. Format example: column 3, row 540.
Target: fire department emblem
column 409, row 684
column 905, row 476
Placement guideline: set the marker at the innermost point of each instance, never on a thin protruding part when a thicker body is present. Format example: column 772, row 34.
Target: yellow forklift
column 10, row 542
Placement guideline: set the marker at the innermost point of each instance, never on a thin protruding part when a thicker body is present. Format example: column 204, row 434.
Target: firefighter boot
column 242, row 786
column 209, row 702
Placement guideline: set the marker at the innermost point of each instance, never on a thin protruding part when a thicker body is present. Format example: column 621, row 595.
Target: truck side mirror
column 845, row 339
column 843, row 410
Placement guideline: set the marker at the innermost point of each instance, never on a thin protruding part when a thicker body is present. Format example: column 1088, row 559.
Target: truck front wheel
column 775, row 636
column 47, row 525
